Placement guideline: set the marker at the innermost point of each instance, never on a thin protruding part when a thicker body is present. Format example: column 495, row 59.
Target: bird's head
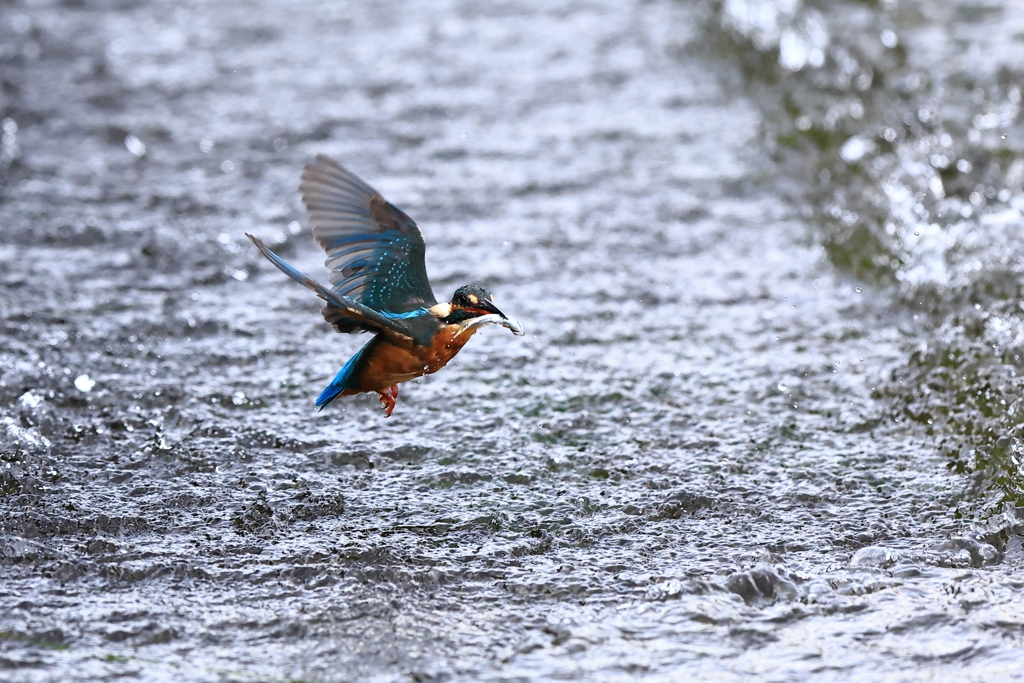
column 473, row 305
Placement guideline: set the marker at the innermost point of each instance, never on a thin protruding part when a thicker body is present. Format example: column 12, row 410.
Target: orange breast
column 445, row 345
column 391, row 363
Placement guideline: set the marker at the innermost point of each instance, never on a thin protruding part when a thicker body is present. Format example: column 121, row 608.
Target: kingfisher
column 379, row 284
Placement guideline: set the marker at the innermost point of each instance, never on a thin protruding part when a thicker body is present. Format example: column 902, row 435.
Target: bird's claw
column 388, row 399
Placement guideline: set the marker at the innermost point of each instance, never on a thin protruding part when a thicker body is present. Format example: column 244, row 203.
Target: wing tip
column 259, row 244
column 324, row 173
column 321, row 161
column 323, row 165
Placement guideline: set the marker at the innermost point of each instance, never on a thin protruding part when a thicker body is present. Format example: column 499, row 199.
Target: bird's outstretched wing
column 374, row 251
column 345, row 312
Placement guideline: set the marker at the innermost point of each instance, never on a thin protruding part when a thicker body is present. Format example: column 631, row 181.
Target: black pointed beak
column 488, row 307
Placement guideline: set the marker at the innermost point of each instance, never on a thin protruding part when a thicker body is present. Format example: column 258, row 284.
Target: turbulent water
column 765, row 423
column 908, row 129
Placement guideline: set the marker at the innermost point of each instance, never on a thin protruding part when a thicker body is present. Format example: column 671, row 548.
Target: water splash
column 12, row 433
column 915, row 175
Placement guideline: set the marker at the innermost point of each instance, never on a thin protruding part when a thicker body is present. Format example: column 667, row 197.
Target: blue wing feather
column 374, row 251
column 343, row 312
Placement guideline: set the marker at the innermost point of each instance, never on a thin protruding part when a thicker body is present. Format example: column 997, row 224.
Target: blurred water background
column 766, row 422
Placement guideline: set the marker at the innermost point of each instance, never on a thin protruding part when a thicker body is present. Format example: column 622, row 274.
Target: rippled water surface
column 765, row 424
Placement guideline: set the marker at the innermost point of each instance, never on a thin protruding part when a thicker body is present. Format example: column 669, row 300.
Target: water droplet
column 84, row 383
column 30, row 399
column 21, row 23
column 793, row 51
column 855, row 149
column 134, row 145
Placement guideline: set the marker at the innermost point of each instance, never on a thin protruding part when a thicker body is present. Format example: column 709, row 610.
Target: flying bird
column 379, row 284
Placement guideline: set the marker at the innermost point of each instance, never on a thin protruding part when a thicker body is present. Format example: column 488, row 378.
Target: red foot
column 388, row 398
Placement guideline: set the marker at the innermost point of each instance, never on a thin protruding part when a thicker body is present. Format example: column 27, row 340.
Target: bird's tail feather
column 341, row 381
column 329, row 393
